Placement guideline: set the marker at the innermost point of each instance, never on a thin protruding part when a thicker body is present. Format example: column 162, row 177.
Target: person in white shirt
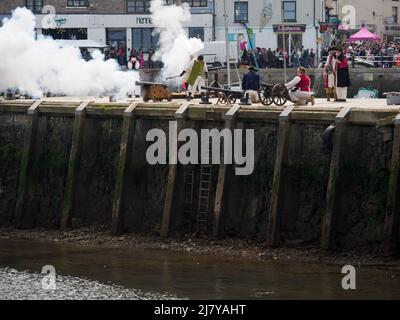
column 133, row 64
column 330, row 79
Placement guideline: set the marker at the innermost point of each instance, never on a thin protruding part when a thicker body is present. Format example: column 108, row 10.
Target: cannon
column 154, row 91
column 224, row 96
column 273, row 93
column 15, row 94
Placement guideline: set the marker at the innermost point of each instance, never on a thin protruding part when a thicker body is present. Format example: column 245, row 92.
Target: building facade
column 128, row 22
column 123, row 24
column 379, row 16
column 271, row 21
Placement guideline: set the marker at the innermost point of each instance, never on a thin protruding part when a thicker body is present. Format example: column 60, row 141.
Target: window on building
column 196, row 33
column 35, row 6
column 197, row 3
column 289, row 11
column 116, row 38
column 66, row 33
column 138, row 6
column 77, row 3
column 143, row 38
column 395, row 14
column 241, row 11
column 293, row 41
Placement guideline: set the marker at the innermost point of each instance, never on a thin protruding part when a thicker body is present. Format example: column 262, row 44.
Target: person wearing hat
column 342, row 75
column 300, row 88
column 195, row 79
column 251, row 84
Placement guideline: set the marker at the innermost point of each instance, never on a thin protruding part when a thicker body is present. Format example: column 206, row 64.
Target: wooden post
column 128, row 135
column 26, row 161
column 77, row 137
column 274, row 217
column 173, row 172
column 230, row 117
column 391, row 229
column 333, row 192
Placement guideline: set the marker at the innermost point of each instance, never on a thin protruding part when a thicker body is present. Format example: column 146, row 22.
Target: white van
column 87, row 47
column 215, row 53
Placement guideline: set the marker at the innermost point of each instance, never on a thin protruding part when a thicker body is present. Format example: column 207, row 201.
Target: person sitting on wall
column 251, row 84
column 196, row 71
column 300, row 92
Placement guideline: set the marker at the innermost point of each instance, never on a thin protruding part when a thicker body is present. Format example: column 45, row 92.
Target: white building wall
column 265, row 35
column 97, row 24
column 97, row 34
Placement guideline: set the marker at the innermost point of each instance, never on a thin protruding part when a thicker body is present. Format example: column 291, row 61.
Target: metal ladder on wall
column 204, row 199
column 239, row 82
column 188, row 201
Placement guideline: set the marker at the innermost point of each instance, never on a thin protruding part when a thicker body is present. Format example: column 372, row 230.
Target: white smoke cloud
column 38, row 66
column 176, row 49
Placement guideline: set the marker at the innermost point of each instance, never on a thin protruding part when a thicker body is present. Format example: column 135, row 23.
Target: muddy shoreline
column 99, row 237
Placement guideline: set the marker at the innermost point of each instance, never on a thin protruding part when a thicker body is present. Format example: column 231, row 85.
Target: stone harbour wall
column 68, row 165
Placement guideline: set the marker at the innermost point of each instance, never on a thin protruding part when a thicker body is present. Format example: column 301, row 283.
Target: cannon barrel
column 215, row 68
column 144, row 83
column 237, row 94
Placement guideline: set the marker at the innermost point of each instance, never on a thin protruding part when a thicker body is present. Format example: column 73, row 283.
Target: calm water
column 198, row 276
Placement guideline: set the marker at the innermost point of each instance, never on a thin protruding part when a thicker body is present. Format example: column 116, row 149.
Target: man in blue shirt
column 251, row 84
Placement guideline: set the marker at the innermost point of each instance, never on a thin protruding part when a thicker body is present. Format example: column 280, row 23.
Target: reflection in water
column 167, row 277
column 219, row 283
column 198, row 276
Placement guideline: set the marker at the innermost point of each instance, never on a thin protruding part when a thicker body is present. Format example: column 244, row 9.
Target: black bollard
column 205, row 98
column 245, row 101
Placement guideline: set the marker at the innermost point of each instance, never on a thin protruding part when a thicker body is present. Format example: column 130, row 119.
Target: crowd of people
column 135, row 58
column 380, row 55
column 267, row 58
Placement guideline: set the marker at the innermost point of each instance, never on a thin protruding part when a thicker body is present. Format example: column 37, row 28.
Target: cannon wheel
column 155, row 98
column 222, row 98
column 231, row 100
column 280, row 94
column 264, row 94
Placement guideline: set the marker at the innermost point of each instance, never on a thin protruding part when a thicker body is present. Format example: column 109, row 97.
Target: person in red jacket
column 342, row 76
column 300, row 88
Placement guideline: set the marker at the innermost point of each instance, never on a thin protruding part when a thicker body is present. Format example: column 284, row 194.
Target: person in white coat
column 196, row 74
